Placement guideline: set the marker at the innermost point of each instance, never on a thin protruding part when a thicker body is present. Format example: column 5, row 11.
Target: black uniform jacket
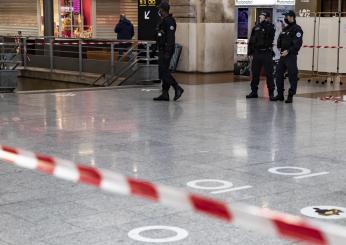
column 291, row 39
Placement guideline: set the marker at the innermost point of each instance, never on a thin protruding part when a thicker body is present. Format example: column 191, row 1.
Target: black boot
column 178, row 92
column 252, row 95
column 163, row 97
column 279, row 97
column 289, row 99
column 271, row 95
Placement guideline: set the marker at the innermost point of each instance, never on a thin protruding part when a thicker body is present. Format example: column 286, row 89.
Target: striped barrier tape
column 323, row 47
column 83, row 43
column 335, row 99
column 250, row 217
column 310, row 46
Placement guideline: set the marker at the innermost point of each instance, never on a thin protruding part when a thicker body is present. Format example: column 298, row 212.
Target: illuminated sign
column 285, row 2
column 148, row 19
column 76, row 6
column 147, row 2
column 263, row 3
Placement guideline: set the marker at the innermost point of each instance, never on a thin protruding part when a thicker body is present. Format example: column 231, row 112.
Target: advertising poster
column 241, row 67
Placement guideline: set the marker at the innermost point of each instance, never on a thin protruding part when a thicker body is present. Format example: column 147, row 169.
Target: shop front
column 72, row 18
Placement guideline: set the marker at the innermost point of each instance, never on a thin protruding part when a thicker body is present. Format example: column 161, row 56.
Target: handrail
column 54, row 47
column 102, row 76
column 112, row 80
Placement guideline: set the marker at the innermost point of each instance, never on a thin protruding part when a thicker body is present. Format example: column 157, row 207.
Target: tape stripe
column 263, row 220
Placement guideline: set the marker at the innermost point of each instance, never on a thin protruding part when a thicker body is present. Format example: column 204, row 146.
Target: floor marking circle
column 324, row 212
column 276, row 170
column 135, row 234
column 195, row 184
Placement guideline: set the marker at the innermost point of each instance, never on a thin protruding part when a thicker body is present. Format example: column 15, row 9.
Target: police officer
column 289, row 43
column 261, row 51
column 166, row 46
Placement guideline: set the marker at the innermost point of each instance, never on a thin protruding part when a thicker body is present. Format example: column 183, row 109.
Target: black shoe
column 252, row 95
column 163, row 97
column 178, row 93
column 277, row 98
column 271, row 95
column 289, row 99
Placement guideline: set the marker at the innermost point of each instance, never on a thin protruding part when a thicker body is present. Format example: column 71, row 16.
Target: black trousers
column 262, row 59
column 164, row 72
column 289, row 64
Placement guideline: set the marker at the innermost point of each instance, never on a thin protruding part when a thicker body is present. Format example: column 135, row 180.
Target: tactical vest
column 260, row 37
column 287, row 36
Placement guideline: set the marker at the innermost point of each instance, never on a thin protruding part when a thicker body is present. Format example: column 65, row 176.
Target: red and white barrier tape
column 258, row 219
column 323, row 47
column 83, row 43
column 309, row 46
column 335, row 99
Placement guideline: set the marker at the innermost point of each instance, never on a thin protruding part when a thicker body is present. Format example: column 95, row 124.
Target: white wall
column 186, row 36
column 207, row 47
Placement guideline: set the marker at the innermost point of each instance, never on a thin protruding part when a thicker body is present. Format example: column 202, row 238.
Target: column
column 48, row 16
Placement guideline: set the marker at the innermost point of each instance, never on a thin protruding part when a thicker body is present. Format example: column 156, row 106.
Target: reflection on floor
column 210, row 78
column 339, row 93
column 212, row 133
column 30, row 84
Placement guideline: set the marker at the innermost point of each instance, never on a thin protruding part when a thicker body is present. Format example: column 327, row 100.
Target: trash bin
column 8, row 80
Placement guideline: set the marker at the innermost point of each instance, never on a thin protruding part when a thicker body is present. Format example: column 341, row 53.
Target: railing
column 10, row 57
column 324, row 46
column 108, row 60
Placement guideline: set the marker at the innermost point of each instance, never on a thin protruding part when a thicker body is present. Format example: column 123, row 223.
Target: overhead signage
column 304, row 8
column 148, row 19
column 263, row 3
column 285, row 2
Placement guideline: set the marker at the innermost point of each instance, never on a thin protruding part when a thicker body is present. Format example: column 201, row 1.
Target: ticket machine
column 246, row 16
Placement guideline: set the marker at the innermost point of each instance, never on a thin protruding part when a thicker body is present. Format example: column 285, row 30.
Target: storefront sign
column 263, row 3
column 76, row 6
column 67, row 9
column 148, row 19
column 304, row 8
column 285, row 2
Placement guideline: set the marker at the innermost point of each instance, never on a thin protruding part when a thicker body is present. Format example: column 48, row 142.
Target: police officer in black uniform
column 261, row 49
column 289, row 43
column 166, row 46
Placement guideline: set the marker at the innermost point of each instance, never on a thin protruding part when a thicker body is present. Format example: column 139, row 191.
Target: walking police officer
column 289, row 43
column 166, row 46
column 261, row 49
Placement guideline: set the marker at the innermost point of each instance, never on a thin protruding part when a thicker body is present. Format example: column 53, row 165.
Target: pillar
column 48, row 16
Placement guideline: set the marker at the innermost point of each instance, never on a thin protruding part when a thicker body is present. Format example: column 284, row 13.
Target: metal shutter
column 108, row 12
column 130, row 8
column 18, row 15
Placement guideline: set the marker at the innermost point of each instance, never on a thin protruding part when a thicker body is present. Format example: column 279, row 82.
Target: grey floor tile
column 212, row 133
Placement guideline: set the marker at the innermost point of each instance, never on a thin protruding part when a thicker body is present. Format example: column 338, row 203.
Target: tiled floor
column 212, row 133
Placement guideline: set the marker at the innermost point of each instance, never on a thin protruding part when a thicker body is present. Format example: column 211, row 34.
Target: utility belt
column 263, row 50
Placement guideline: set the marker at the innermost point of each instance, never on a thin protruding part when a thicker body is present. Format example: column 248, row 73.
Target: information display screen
column 148, row 19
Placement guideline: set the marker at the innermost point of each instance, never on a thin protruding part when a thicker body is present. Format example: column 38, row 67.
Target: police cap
column 265, row 14
column 290, row 13
column 165, row 6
